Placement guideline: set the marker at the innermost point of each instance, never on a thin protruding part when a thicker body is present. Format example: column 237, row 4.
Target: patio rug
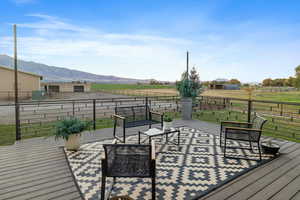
column 188, row 171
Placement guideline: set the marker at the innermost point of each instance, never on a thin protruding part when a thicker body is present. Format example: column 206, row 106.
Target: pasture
column 170, row 90
column 290, row 96
column 108, row 87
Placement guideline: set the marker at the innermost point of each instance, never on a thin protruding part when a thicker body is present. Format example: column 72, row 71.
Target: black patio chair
column 243, row 131
column 134, row 116
column 128, row 160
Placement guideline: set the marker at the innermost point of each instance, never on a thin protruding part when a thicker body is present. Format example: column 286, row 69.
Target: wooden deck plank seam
column 33, row 180
column 259, row 178
column 286, row 186
column 31, row 171
column 36, row 166
column 228, row 185
column 37, row 190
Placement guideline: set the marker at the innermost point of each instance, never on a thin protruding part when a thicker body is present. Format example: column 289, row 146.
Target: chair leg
column 221, row 139
column 115, row 126
column 225, row 147
column 251, row 147
column 221, row 136
column 258, row 146
column 103, row 187
column 124, row 135
column 153, row 188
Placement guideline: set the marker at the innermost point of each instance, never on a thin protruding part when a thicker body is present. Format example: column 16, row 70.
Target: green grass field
column 98, row 86
column 8, row 134
column 278, row 130
column 292, row 96
column 170, row 90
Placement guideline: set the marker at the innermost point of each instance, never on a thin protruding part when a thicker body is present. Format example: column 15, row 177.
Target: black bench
column 134, row 116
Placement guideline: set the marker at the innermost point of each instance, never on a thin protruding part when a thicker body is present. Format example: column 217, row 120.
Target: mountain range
column 61, row 74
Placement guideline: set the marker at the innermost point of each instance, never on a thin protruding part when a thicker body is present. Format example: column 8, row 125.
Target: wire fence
column 40, row 117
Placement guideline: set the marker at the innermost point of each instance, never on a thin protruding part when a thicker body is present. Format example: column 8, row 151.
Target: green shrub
column 168, row 118
column 189, row 85
column 67, row 127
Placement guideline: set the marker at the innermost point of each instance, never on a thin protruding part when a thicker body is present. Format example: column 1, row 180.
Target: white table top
column 156, row 131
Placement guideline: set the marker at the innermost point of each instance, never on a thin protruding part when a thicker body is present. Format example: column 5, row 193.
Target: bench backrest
column 133, row 113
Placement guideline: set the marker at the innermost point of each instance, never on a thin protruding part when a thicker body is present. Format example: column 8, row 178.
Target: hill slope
column 53, row 73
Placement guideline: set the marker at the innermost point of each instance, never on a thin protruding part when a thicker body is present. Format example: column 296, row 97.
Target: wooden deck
column 37, row 169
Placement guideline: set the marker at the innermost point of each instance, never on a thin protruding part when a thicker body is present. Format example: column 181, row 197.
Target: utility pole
column 17, row 114
column 187, row 65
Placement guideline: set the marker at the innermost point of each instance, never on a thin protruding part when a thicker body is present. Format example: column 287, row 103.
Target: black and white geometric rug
column 188, row 171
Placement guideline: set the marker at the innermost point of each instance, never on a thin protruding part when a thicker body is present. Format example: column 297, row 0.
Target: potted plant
column 189, row 87
column 167, row 124
column 270, row 148
column 70, row 130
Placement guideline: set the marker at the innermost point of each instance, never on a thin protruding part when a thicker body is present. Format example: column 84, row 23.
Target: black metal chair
column 243, row 131
column 128, row 160
column 134, row 116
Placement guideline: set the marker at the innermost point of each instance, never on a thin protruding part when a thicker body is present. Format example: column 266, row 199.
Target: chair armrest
column 236, row 124
column 118, row 116
column 156, row 113
column 233, row 122
column 242, row 129
column 153, row 150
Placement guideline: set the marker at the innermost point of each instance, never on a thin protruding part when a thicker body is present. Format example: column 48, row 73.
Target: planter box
column 167, row 125
column 73, row 143
column 186, row 108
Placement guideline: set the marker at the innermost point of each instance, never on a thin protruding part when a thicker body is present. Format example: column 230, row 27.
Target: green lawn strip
column 292, row 96
column 7, row 134
column 282, row 130
column 44, row 129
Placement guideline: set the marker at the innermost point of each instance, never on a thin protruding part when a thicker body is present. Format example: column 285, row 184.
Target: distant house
column 27, row 83
column 57, row 87
column 220, row 84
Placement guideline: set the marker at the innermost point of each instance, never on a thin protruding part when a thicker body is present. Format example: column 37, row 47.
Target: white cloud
column 55, row 42
column 233, row 53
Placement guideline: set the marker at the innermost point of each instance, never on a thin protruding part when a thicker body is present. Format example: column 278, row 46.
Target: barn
column 27, row 83
column 224, row 86
column 70, row 87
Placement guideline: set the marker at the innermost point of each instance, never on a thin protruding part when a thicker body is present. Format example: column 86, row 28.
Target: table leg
column 178, row 137
column 139, row 137
column 167, row 138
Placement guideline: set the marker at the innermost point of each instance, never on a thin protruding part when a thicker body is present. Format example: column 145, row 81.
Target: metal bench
column 134, row 116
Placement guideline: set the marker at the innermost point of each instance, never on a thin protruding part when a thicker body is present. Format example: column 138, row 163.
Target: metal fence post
column 73, row 108
column 94, row 114
column 249, row 110
column 18, row 128
column 146, row 103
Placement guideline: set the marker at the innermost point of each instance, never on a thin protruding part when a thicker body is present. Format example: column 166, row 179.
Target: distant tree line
column 292, row 81
column 233, row 81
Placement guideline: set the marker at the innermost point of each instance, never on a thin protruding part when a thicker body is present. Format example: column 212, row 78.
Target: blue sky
column 248, row 40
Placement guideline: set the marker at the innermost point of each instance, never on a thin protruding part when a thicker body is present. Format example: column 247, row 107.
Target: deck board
column 258, row 179
column 37, row 169
column 296, row 195
column 290, row 191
